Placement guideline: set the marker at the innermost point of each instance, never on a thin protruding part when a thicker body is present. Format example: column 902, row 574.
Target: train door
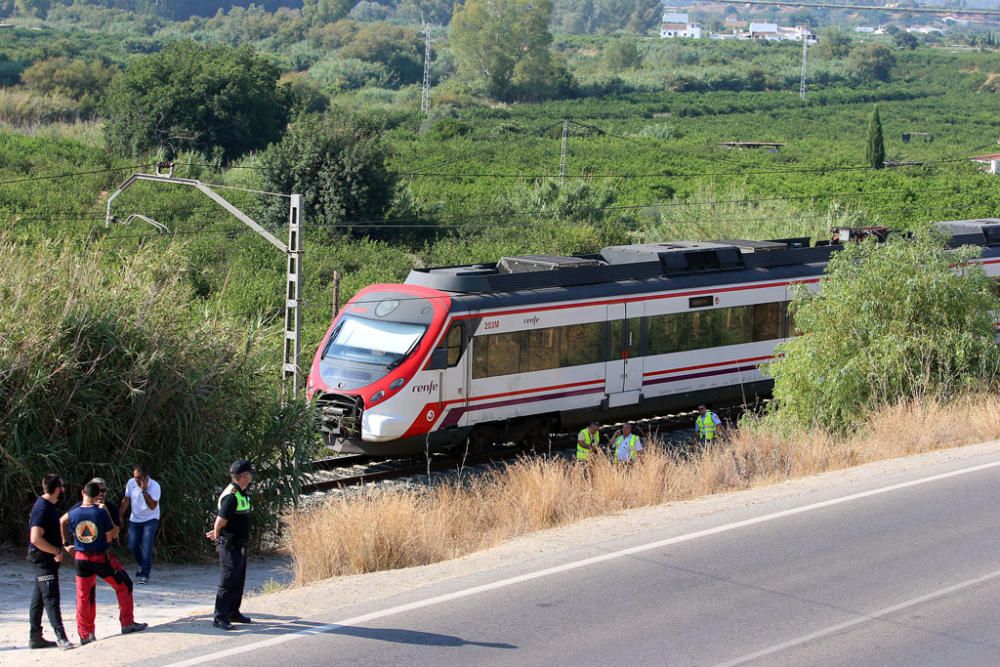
column 452, row 369
column 624, row 365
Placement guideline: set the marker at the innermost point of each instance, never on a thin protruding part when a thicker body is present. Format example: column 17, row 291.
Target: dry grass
column 386, row 530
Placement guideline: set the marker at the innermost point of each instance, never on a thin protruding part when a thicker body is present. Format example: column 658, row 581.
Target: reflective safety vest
column 581, row 453
column 242, row 502
column 632, row 440
column 705, row 425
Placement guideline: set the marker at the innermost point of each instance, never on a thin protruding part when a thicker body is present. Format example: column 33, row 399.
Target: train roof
column 680, row 261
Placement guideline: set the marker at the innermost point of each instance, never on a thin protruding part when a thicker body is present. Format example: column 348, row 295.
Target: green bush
column 892, row 322
column 109, row 361
column 193, row 97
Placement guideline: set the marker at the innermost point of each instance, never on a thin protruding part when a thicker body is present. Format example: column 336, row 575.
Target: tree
column 80, row 80
column 201, row 98
column 871, row 62
column 645, row 15
column 400, row 50
column 875, row 151
column 892, row 322
column 318, row 12
column 622, row 54
column 905, row 40
column 494, row 40
column 32, row 7
column 435, row 12
column 338, row 163
column 833, row 43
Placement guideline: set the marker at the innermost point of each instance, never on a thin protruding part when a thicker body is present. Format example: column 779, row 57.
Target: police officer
column 588, row 441
column 232, row 532
column 45, row 553
column 706, row 425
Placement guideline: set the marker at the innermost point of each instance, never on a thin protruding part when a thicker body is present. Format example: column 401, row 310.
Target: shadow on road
column 267, row 625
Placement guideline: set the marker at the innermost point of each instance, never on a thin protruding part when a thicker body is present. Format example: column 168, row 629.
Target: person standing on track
column 232, row 533
column 588, row 441
column 142, row 493
column 91, row 529
column 45, row 553
column 706, row 425
column 627, row 444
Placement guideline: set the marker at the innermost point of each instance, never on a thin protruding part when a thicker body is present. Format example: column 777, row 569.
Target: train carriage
column 471, row 355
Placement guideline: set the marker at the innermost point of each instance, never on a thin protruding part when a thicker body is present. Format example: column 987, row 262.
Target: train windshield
column 376, row 342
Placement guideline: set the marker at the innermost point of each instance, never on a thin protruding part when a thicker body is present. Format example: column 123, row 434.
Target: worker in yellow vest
column 706, row 425
column 588, row 441
column 627, row 444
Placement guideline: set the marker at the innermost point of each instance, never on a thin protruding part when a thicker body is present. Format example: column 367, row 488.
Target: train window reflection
column 373, row 342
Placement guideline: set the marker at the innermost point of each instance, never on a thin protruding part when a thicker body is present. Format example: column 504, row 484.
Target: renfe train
column 485, row 353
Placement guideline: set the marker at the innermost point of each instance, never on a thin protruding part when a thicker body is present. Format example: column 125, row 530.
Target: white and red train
column 533, row 345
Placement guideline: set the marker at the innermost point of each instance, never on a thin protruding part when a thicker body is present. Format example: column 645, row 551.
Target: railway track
column 357, row 470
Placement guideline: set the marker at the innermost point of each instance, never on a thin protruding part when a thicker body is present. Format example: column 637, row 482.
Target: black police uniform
column 45, row 593
column 234, row 507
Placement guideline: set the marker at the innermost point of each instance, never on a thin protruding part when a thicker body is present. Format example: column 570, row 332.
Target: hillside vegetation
column 323, row 98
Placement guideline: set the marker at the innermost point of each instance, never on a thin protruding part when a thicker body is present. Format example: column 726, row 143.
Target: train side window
column 703, row 331
column 734, row 326
column 767, row 324
column 480, row 356
column 542, row 352
column 581, row 344
column 454, row 343
column 663, row 333
column 505, row 353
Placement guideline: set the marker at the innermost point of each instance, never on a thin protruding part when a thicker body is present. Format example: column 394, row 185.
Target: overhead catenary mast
column 805, row 52
column 425, row 98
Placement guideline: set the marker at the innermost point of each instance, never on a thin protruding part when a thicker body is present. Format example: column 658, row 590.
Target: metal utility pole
column 802, row 81
column 563, row 152
column 291, row 370
column 425, row 99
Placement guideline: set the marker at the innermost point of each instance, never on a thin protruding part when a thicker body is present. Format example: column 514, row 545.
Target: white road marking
column 875, row 615
column 575, row 565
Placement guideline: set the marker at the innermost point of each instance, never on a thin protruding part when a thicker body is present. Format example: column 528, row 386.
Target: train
column 465, row 356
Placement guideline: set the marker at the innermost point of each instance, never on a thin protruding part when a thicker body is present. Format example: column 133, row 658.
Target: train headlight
column 377, row 396
column 397, row 383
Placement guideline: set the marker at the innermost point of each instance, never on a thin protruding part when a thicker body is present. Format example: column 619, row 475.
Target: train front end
column 366, row 375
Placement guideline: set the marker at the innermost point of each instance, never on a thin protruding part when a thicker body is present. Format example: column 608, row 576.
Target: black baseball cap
column 240, row 467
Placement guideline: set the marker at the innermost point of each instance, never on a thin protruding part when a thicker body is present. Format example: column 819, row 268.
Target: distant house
column 768, row 31
column 677, row 24
column 797, row 34
column 866, row 29
column 989, row 163
column 925, row 30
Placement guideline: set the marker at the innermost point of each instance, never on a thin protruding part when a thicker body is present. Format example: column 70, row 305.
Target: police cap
column 240, row 467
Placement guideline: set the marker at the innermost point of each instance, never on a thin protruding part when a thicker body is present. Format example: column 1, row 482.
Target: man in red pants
column 91, row 529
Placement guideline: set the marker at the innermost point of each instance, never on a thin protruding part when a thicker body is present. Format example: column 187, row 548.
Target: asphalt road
column 906, row 576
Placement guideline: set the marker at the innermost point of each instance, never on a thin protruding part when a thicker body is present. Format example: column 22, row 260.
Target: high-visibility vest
column 582, row 453
column 705, row 425
column 242, row 502
column 632, row 440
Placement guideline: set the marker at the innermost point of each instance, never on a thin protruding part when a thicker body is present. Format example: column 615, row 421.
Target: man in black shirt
column 232, row 532
column 45, row 553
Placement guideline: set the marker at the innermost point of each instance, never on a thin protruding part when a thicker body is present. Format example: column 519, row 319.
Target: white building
column 797, row 34
column 768, row 31
column 677, row 24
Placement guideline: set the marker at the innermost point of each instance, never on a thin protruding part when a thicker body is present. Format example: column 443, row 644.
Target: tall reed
column 109, row 360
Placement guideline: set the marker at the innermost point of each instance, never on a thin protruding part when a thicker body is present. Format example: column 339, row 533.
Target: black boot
column 37, row 641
